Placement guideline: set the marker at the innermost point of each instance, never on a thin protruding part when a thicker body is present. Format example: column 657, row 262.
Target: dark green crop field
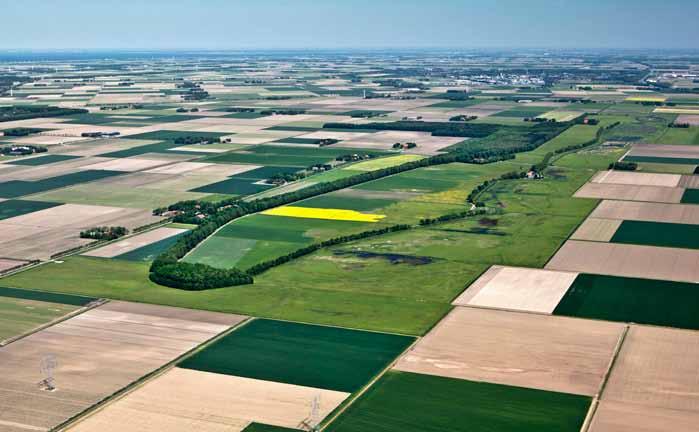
column 17, row 188
column 149, row 252
column 45, row 296
column 259, row 427
column 43, row 160
column 691, row 196
column 12, row 208
column 315, row 356
column 662, row 160
column 233, row 186
column 657, row 234
column 644, row 301
column 408, row 402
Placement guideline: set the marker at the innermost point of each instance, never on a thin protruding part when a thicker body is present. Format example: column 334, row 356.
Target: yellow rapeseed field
column 646, row 99
column 386, row 162
column 323, row 213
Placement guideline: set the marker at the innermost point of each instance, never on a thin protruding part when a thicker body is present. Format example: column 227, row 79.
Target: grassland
column 331, row 358
column 411, row 402
column 364, row 284
column 643, row 301
column 23, row 310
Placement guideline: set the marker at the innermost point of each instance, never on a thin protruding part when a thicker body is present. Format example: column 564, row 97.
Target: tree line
column 168, row 270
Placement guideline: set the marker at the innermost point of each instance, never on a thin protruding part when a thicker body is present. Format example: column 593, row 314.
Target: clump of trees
column 24, row 112
column 623, row 166
column 462, row 118
column 189, row 140
column 400, row 146
column 454, row 216
column 18, row 132
column 22, row 150
column 283, row 111
column 104, row 233
column 239, row 110
column 327, row 141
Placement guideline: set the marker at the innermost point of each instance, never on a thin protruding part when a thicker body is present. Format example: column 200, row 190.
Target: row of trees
column 19, row 132
column 454, row 216
column 168, row 270
column 104, row 233
column 266, row 265
column 24, row 112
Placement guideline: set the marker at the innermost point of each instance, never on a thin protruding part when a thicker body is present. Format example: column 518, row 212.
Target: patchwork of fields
column 532, row 286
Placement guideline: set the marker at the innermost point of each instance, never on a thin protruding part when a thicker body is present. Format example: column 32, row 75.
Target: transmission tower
column 48, row 364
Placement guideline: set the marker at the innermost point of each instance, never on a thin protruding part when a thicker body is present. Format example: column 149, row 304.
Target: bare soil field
column 426, row 143
column 692, row 120
column 43, row 233
column 665, row 150
column 690, row 181
column 648, row 262
column 596, row 229
column 97, row 353
column 670, row 195
column 8, row 264
column 636, row 178
column 657, row 368
column 127, row 164
column 520, row 349
column 135, row 242
column 183, row 398
column 179, row 168
column 520, row 289
column 614, row 416
column 650, row 212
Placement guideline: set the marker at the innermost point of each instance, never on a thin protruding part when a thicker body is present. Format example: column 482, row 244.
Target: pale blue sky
column 268, row 24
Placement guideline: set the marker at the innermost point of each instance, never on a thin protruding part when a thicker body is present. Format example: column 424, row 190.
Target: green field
column 233, row 186
column 523, row 111
column 661, row 160
column 149, row 252
column 690, row 196
column 341, row 201
column 409, row 402
column 12, row 208
column 24, row 310
column 657, row 234
column 18, row 316
column 250, row 240
column 331, row 358
column 17, row 188
column 643, row 301
column 42, row 160
column 259, row 427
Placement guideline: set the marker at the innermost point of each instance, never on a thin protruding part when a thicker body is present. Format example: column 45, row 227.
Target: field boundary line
column 353, row 398
column 596, row 399
column 92, row 305
column 612, row 361
column 590, row 415
column 143, row 380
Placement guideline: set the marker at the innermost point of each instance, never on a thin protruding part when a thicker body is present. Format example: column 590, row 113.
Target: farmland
column 394, row 402
column 358, row 242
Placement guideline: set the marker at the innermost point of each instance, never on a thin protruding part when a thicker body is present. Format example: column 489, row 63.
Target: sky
column 347, row 24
